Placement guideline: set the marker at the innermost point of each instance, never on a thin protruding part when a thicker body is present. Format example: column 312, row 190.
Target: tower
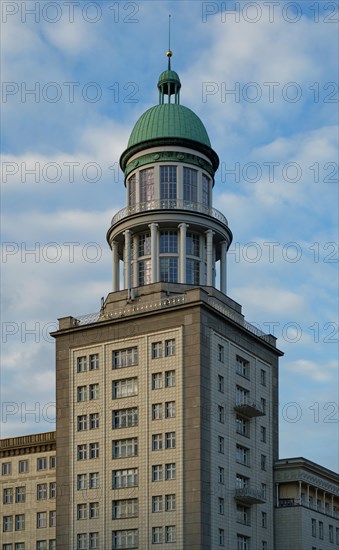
column 167, row 398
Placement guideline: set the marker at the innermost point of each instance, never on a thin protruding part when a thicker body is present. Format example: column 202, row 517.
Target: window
column 41, row 520
column 263, row 405
column 156, row 350
column 145, row 271
column 170, row 471
column 170, row 503
column 124, row 388
column 19, row 546
column 125, row 539
column 221, row 444
column 93, row 480
column 337, row 535
column 263, row 434
column 42, row 463
column 125, row 478
column 205, row 190
column 157, row 472
column 93, row 392
column 242, row 455
column 52, row 490
column 7, row 524
column 20, row 494
column 93, row 540
column 82, row 393
column 81, row 482
column 170, row 409
column 52, row 518
column 125, row 418
column 94, row 361
column 132, row 191
column 125, row 358
column 314, row 527
column 144, row 245
column 221, row 414
column 321, row 530
column 41, row 545
column 168, row 183
column 241, row 481
column 264, row 520
column 263, row 379
column 170, row 533
column 93, row 450
column 7, row 547
column 221, row 353
column 221, row 475
column 146, row 182
column 20, row 522
column 157, row 504
column 264, row 490
column 169, row 378
column 169, row 347
column 242, row 366
column 221, row 385
column 193, row 244
column 82, row 541
column 221, row 537
column 82, row 422
column 242, row 395
column 125, row 508
column 23, row 466
column 264, row 545
column 82, row 452
column 243, row 543
column 157, row 381
column 156, row 442
column 93, row 510
column 330, row 533
column 243, row 515
column 41, row 491
column 93, row 421
column 221, row 506
column 192, row 271
column 157, row 411
column 170, row 440
column 190, row 185
column 82, row 364
column 242, row 426
column 263, row 462
column 168, row 242
column 122, row 448
column 169, row 270
column 156, row 535
column 81, row 511
column 7, row 496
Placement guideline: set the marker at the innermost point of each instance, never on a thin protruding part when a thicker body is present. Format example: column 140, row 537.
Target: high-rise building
column 167, row 398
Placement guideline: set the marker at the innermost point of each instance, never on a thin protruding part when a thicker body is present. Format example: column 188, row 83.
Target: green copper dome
column 169, row 120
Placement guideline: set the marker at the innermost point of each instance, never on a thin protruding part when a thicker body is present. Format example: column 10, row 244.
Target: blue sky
column 94, row 68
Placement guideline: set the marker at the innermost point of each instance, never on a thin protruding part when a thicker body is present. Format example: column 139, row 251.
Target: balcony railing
column 249, row 495
column 248, row 407
column 169, row 204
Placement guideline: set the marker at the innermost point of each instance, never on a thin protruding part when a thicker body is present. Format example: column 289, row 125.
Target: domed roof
column 169, row 120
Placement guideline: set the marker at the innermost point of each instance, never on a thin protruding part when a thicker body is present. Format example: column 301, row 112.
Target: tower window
column 144, row 248
column 169, row 270
column 205, row 190
column 146, row 181
column 132, row 191
column 190, row 185
column 192, row 271
column 145, row 270
column 169, row 241
column 168, row 183
column 192, row 244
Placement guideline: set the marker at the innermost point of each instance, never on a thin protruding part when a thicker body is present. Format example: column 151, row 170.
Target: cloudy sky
column 264, row 79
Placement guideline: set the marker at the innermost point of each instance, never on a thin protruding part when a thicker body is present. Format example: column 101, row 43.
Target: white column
column 182, row 257
column 115, row 267
column 209, row 253
column 154, row 252
column 308, row 496
column 135, row 261
column 299, row 492
column 223, row 267
column 127, row 259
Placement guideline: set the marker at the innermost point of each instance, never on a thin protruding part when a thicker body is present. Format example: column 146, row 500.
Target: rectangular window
column 243, row 543
column 221, row 353
column 42, row 463
column 81, row 511
column 125, row 418
column 82, row 423
column 263, row 404
column 52, row 490
column 321, row 530
column 221, row 384
column 221, row 475
column 242, row 426
column 157, row 504
column 41, row 520
column 125, row 478
column 190, row 185
column 156, row 535
column 168, row 183
column 169, row 378
column 169, row 270
column 170, row 471
column 125, row 358
column 242, row 367
column 221, row 444
column 127, row 508
column 19, row 546
column 170, row 503
column 93, row 540
column 93, row 421
column 146, row 183
column 243, row 515
column 330, row 533
column 125, row 539
column 81, row 482
column 170, row 409
column 124, row 388
column 82, row 541
column 169, row 347
column 263, row 379
column 157, row 411
column 157, row 472
column 156, row 350
column 157, row 381
column 93, row 511
column 7, row 524
column 93, row 450
column 221, row 414
column 93, row 392
column 221, row 506
column 314, row 527
column 241, row 481
column 337, row 535
column 7, row 496
column 23, row 466
column 242, row 396
column 93, row 480
column 132, row 191
column 264, row 545
column 263, row 462
column 82, row 393
column 264, row 520
column 94, row 361
column 263, row 434
column 41, row 491
column 52, row 462
column 52, row 518
column 41, row 545
column 242, row 455
column 170, row 440
column 170, row 533
column 6, row 468
column 82, row 364
column 221, row 537
column 205, row 190
column 168, row 241
column 264, row 490
column 20, row 522
column 122, row 448
column 156, row 442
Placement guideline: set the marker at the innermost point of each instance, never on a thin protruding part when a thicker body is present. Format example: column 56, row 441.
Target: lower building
column 306, row 507
column 28, row 492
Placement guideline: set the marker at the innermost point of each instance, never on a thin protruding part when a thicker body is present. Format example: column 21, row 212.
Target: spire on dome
column 169, row 82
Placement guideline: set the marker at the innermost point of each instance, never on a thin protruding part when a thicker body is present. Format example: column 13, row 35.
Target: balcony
column 248, row 407
column 249, row 495
column 168, row 204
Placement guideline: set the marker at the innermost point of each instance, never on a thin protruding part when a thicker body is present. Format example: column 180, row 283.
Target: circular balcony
column 169, row 204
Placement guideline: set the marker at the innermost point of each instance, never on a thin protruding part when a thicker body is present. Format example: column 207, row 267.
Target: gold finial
column 169, row 53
